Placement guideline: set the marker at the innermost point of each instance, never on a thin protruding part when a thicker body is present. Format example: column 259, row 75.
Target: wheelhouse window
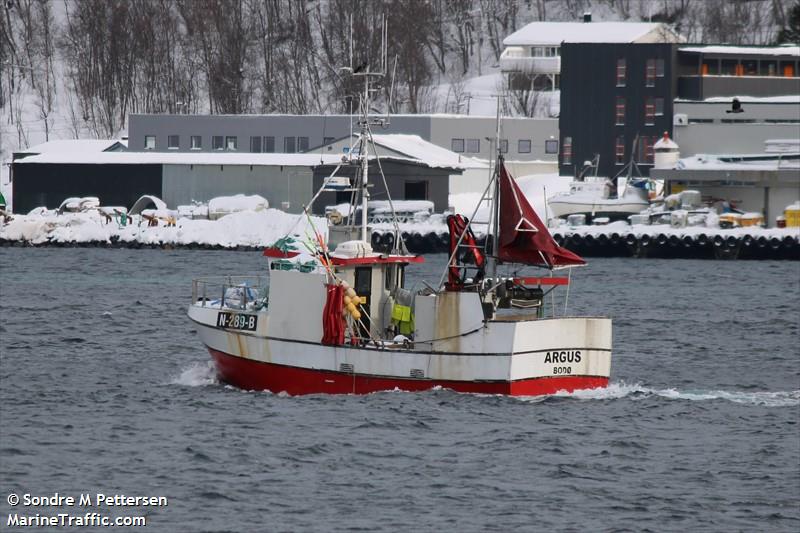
column 328, row 140
column 620, row 111
column 289, row 145
column 149, row 142
column 621, row 72
column 503, row 146
column 524, row 146
column 619, row 151
column 217, row 142
column 173, row 142
column 196, row 142
column 473, row 146
column 566, row 151
column 255, row 144
column 231, row 143
column 551, row 146
column 457, row 145
column 269, row 144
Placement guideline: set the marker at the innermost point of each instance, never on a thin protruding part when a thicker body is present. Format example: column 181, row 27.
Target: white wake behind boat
column 344, row 320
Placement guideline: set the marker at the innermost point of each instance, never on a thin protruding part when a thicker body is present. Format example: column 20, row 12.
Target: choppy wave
column 637, row 390
column 197, row 375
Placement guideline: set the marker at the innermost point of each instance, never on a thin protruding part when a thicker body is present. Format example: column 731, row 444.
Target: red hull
column 252, row 375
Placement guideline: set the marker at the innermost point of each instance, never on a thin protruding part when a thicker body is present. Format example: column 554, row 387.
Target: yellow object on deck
column 403, row 318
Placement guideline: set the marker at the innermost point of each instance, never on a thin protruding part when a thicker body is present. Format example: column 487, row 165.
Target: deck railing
column 247, row 292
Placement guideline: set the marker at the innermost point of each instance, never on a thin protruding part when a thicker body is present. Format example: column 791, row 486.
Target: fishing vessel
column 336, row 316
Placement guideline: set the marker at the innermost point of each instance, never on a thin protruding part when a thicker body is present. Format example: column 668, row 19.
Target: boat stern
column 561, row 354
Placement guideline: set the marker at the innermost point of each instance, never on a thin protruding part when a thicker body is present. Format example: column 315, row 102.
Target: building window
column 217, row 142
column 269, row 144
column 524, row 146
column 503, row 146
column 650, row 73
column 473, row 146
column 649, row 111
column 646, row 153
column 710, row 67
column 231, row 143
column 551, row 146
column 173, row 142
column 302, row 144
column 327, row 140
column 769, row 68
column 728, row 67
column 196, row 142
column 457, row 145
column 149, row 142
column 289, row 145
column 659, row 103
column 620, row 112
column 416, row 190
column 566, row 151
column 255, row 144
column 659, row 68
column 621, row 72
column 619, row 151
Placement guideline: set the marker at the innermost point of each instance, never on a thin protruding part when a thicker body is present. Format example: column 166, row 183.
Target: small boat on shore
column 597, row 197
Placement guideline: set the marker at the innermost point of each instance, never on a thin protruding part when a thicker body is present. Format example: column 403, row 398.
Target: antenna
column 351, row 42
column 391, row 91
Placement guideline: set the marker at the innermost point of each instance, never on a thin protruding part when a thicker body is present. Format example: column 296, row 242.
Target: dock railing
column 248, row 292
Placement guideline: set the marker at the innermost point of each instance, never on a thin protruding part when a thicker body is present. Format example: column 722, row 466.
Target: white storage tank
column 666, row 153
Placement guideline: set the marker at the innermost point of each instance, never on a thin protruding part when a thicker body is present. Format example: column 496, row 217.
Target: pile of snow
column 225, row 205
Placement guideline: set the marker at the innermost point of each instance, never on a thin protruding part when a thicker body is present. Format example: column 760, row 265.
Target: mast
column 364, row 154
column 494, row 223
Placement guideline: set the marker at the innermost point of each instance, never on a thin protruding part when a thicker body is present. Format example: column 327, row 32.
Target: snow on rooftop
column 181, row 158
column 416, row 147
column 782, row 99
column 71, row 146
column 744, row 50
column 554, row 33
column 88, row 157
column 717, row 162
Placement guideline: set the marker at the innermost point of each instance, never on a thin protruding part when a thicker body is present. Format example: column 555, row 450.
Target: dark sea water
column 105, row 388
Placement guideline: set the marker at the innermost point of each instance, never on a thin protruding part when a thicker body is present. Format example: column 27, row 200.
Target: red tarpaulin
column 333, row 323
column 523, row 236
column 457, row 224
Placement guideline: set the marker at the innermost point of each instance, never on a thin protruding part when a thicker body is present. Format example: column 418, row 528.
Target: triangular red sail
column 523, row 236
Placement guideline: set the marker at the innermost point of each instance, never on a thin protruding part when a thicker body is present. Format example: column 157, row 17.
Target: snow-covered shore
column 243, row 229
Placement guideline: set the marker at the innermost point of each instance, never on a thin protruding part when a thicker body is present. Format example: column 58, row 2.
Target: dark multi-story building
column 612, row 94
